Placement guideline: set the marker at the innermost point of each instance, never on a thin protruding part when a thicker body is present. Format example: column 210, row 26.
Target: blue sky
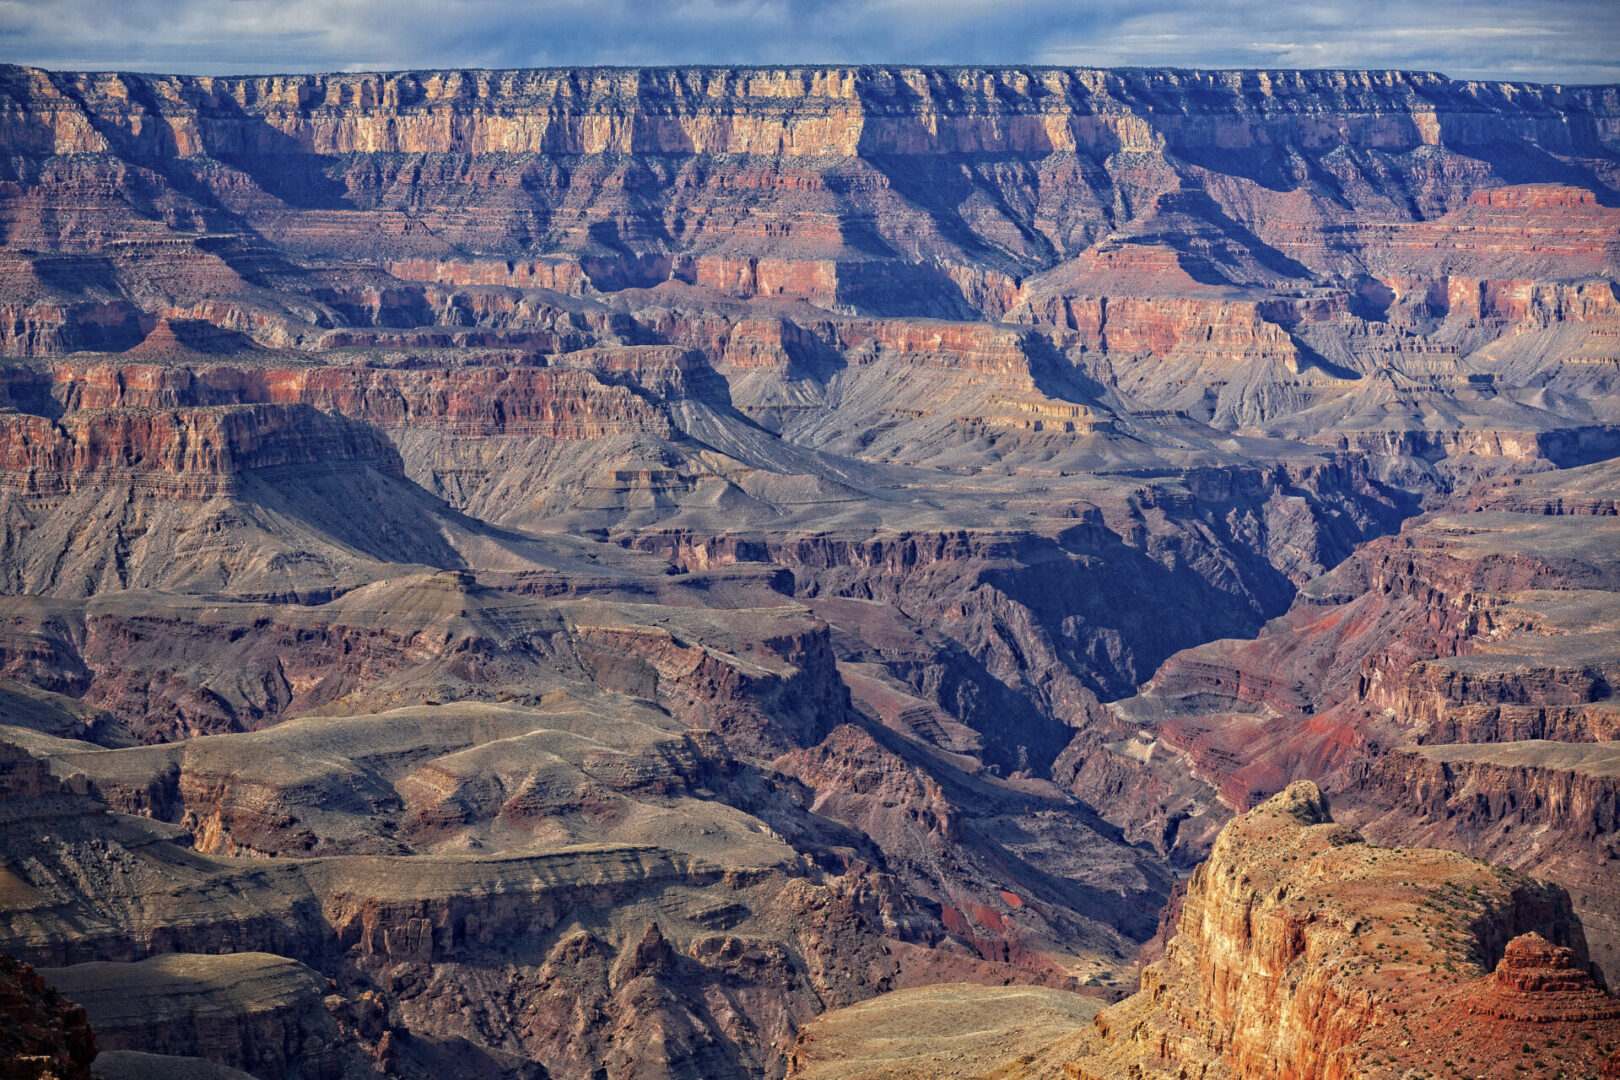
column 1539, row 40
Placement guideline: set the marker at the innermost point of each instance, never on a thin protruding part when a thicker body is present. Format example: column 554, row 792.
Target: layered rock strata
column 601, row 566
column 1303, row 951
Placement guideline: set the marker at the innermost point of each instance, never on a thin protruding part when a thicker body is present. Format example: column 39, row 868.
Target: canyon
column 1302, row 950
column 750, row 572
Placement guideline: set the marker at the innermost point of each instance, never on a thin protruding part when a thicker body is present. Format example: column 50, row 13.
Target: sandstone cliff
column 603, row 565
column 1303, row 952
column 1452, row 684
column 1298, row 950
column 779, row 110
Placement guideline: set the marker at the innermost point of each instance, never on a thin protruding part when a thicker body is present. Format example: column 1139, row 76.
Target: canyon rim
column 809, row 570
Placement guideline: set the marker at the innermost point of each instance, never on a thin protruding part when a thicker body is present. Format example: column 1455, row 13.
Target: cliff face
column 1298, row 951
column 46, row 1037
column 1320, row 255
column 401, row 901
column 1451, row 685
column 258, row 1013
column 364, row 161
column 1548, row 805
column 190, row 453
column 550, row 403
column 793, row 111
column 160, row 669
column 1303, row 952
column 601, row 565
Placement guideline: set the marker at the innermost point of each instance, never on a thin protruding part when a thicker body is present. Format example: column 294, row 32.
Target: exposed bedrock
column 1303, row 951
column 185, row 453
column 1550, row 806
column 1056, row 615
column 1046, row 613
column 158, row 666
column 717, row 964
column 576, row 573
column 351, row 112
column 1452, row 685
column 1298, row 950
column 251, row 1011
column 559, row 404
column 42, row 1033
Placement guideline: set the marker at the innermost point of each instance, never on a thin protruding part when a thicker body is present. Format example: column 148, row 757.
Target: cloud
column 1542, row 40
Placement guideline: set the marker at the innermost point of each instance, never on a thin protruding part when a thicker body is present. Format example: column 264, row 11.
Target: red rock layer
column 579, row 402
column 1538, row 982
column 189, row 452
column 1303, row 953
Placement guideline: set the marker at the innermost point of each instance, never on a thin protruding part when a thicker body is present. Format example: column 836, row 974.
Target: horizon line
column 818, row 65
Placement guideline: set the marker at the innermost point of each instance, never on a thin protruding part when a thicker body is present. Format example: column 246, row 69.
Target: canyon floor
column 831, row 572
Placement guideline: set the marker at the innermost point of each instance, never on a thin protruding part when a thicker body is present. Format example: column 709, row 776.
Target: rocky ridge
column 1299, row 950
column 1450, row 685
column 716, row 528
column 1302, row 951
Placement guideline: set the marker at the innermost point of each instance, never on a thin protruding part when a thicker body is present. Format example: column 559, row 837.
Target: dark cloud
column 1543, row 40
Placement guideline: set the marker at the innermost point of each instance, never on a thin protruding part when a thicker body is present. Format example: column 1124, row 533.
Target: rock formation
column 1299, row 950
column 578, row 572
column 1303, row 951
column 1451, row 685
column 262, row 1014
column 43, row 1035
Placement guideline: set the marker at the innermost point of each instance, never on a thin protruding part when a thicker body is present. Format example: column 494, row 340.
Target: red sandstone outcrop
column 45, row 328
column 1303, row 952
column 1451, row 686
column 1539, row 982
column 557, row 404
column 188, row 453
column 1298, row 951
column 427, row 477
column 1548, row 806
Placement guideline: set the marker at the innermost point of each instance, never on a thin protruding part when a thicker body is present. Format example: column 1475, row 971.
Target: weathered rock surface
column 1299, row 950
column 603, row 566
column 193, row 453
column 586, row 836
column 259, row 1013
column 1451, row 685
column 1303, row 951
column 43, row 1035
